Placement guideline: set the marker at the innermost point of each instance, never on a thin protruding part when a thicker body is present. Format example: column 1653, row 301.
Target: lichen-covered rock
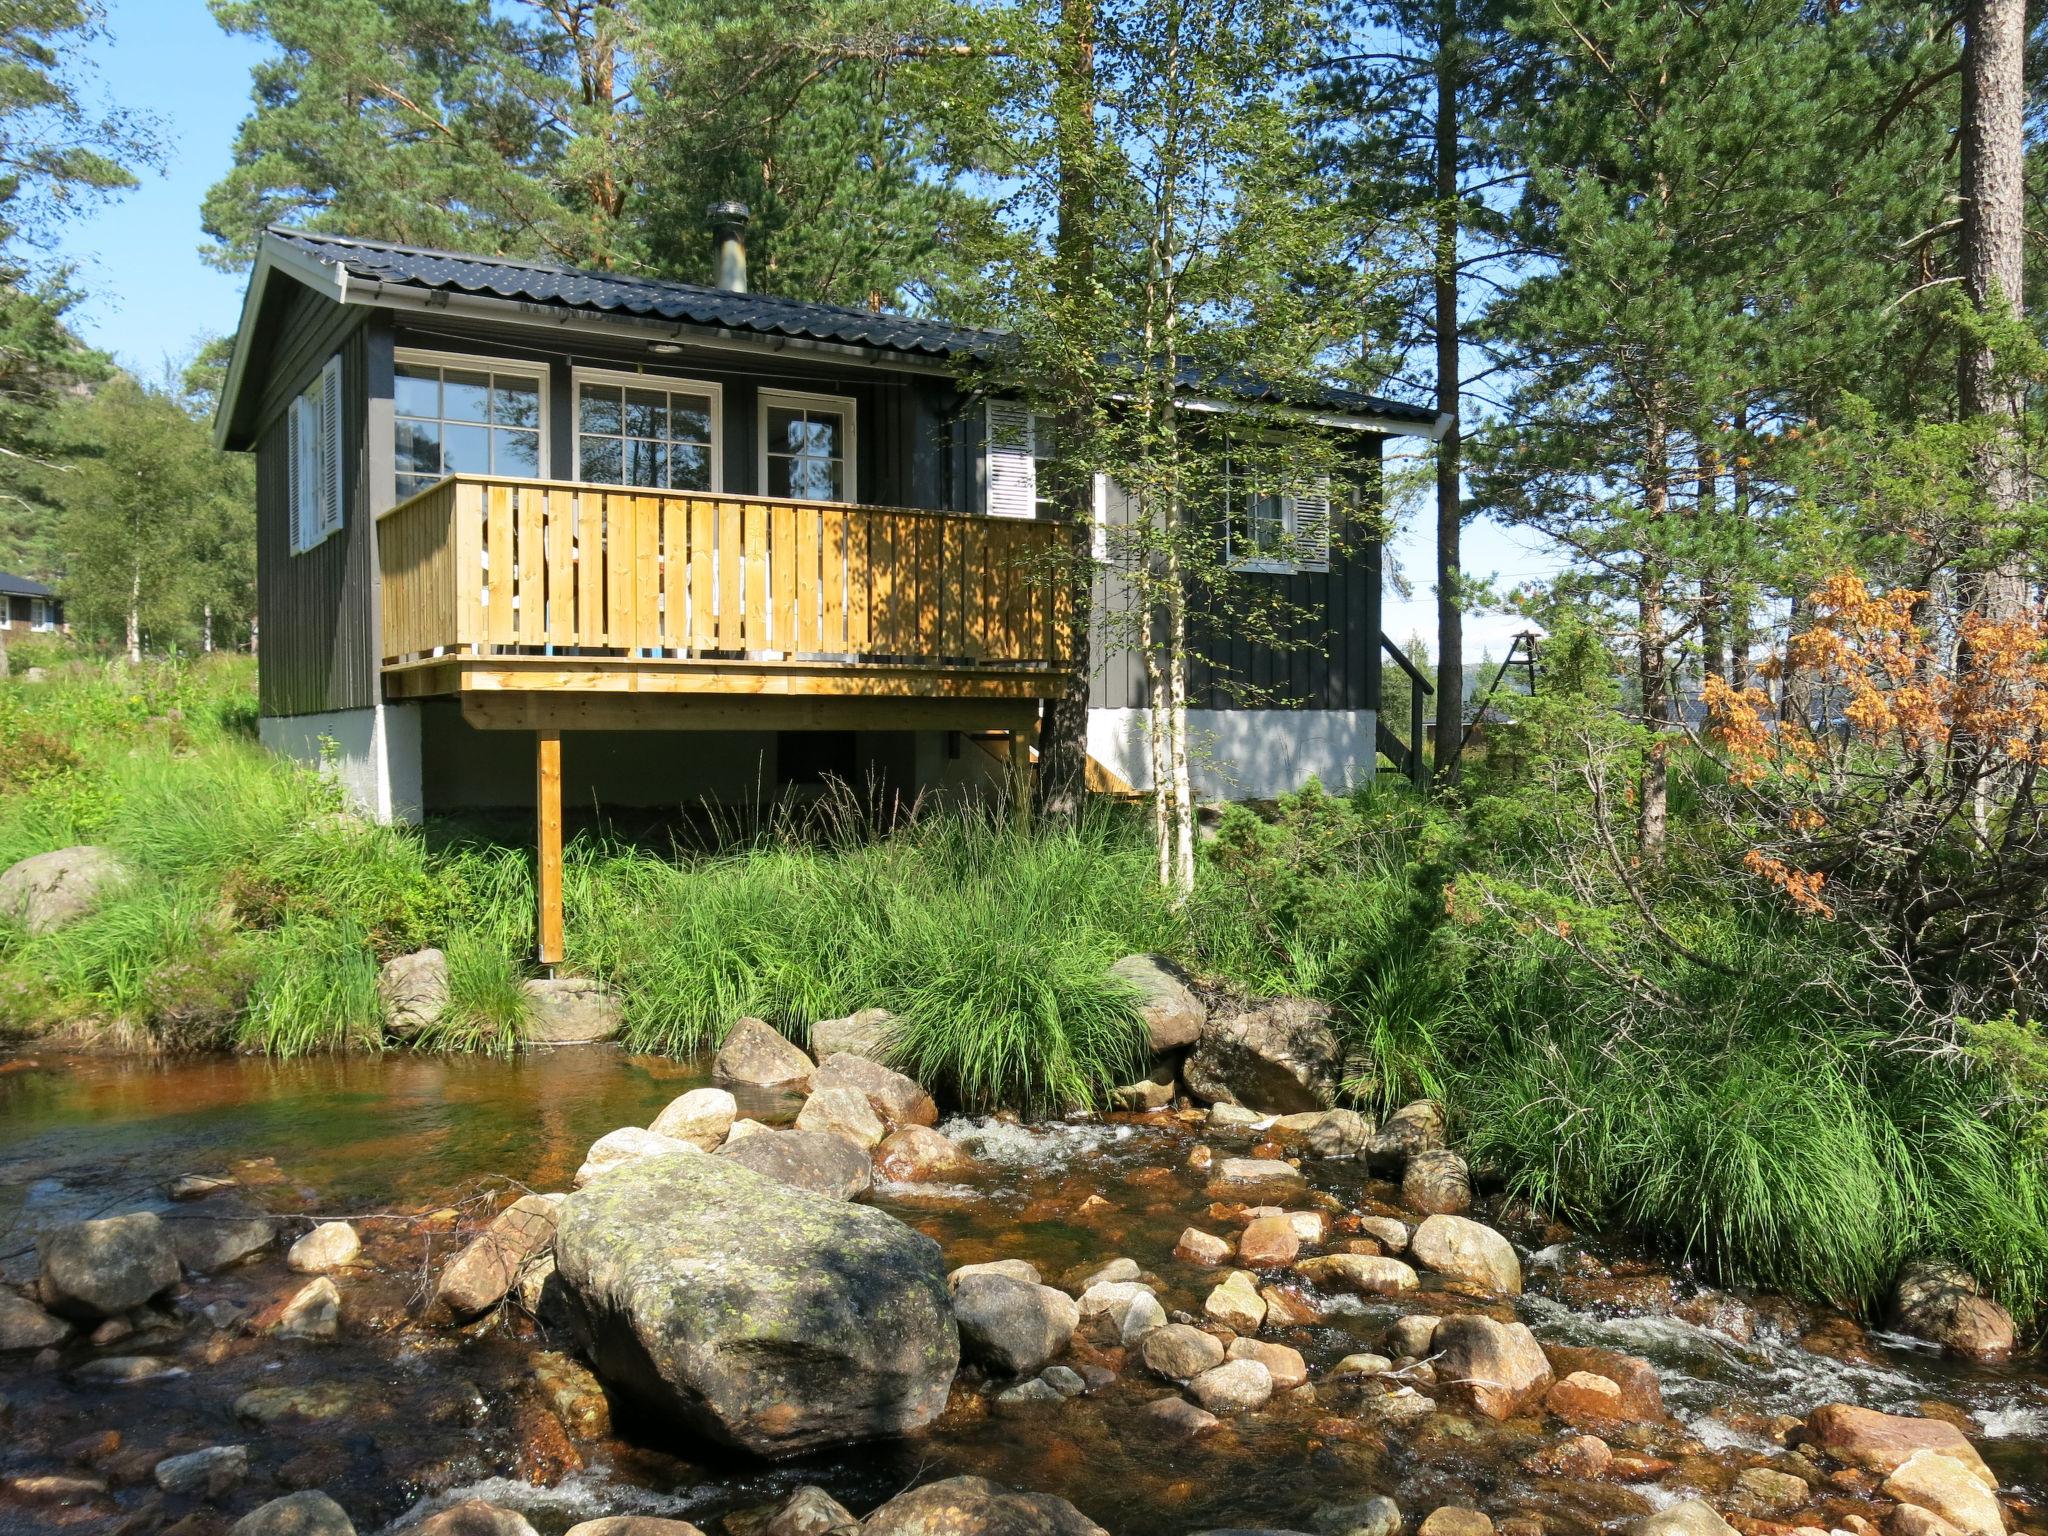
column 628, row 1144
column 896, row 1100
column 50, row 890
column 755, row 1055
column 1437, row 1183
column 917, row 1153
column 1012, row 1327
column 810, row 1511
column 1277, row 1057
column 764, row 1316
column 1340, row 1133
column 974, row 1506
column 701, row 1117
column 414, row 992
column 484, row 1272
column 1497, row 1368
column 101, row 1268
column 1468, row 1250
column 571, row 1010
column 1944, row 1304
column 1173, row 1015
column 296, row 1514
column 818, row 1161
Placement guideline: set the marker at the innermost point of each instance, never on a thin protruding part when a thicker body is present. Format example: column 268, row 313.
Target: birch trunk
column 135, row 616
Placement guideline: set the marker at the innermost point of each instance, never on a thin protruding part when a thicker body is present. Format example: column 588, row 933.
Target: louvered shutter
column 330, row 448
column 1311, row 531
column 295, row 472
column 1012, row 471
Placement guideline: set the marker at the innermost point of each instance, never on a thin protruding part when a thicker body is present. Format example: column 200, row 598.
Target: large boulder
column 1012, row 1327
column 1945, row 1487
column 1882, row 1442
column 219, row 1236
column 765, row 1316
column 1437, row 1183
column 49, row 890
column 974, row 1506
column 414, row 991
column 1276, row 1057
column 842, row 1112
column 1497, row 1368
column 1944, row 1304
column 1173, row 1015
column 484, row 1272
column 755, row 1055
column 702, row 1116
column 1466, row 1250
column 102, row 1268
column 571, row 1010
column 896, row 1100
column 628, row 1144
column 819, row 1162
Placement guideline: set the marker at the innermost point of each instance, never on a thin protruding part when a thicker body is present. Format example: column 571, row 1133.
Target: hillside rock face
column 767, row 1317
column 48, row 890
column 1279, row 1057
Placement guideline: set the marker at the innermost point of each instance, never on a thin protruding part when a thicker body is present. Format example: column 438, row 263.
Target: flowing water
column 399, row 1414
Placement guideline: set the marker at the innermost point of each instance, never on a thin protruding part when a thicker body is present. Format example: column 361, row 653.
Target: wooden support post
column 548, row 805
column 1019, row 764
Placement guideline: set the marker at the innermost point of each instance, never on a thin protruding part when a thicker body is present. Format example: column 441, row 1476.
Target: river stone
column 219, row 1238
column 484, row 1272
column 1268, row 1242
column 1199, row 1247
column 628, row 1144
column 127, row 1370
column 1014, row 1269
column 1361, row 1364
column 1277, row 1057
column 1376, row 1516
column 842, row 1112
column 1235, row 1386
column 1455, row 1520
column 1173, row 1015
column 1690, row 1517
column 1096, row 1271
column 702, row 1117
column 1642, row 1393
column 1413, row 1128
column 896, row 1100
column 1882, row 1442
column 818, row 1162
column 1151, row 1092
column 571, row 1010
column 756, row 1055
column 1340, row 1133
column 197, row 1186
column 212, row 1471
column 474, row 1517
column 1413, row 1336
column 314, row 1313
column 296, row 1514
column 765, row 1316
column 1011, row 1327
column 329, row 1246
column 1233, row 1117
column 636, row 1525
column 1128, row 1308
column 1363, row 1274
column 1467, row 1250
column 917, row 1153
column 1179, row 1352
column 868, row 1033
column 414, row 991
column 1284, row 1365
column 1437, row 1183
column 47, row 891
column 810, row 1511
column 24, row 1325
column 314, row 1403
column 1943, row 1303
column 1237, row 1304
column 102, row 1268
column 1497, row 1368
column 1035, row 1393
column 1762, row 1492
column 974, row 1506
column 1390, row 1234
column 1944, row 1486
column 1244, row 1175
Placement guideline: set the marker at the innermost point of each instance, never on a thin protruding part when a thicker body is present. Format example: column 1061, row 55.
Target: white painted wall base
column 374, row 754
column 1245, row 754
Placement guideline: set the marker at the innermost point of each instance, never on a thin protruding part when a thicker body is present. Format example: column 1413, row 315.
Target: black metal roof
column 531, row 282
column 22, row 586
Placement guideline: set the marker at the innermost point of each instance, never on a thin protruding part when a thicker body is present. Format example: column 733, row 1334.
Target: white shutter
column 331, row 480
column 295, row 475
column 1311, row 529
column 1012, row 471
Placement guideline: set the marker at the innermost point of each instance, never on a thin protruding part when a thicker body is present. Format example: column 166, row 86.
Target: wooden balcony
column 545, row 603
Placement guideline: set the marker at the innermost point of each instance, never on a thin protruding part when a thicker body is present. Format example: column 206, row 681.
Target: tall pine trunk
column 1450, row 512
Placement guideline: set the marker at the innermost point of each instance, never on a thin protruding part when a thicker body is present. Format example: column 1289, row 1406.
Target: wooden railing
column 475, row 566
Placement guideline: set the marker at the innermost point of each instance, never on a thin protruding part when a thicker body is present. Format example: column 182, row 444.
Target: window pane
column 515, row 453
column 465, row 450
column 599, row 407
column 412, row 485
column 689, row 467
column 646, row 463
column 417, row 391
column 465, row 396
column 821, row 435
column 785, row 430
column 646, row 413
column 419, row 447
column 689, row 418
column 515, row 402
column 600, row 460
column 808, row 479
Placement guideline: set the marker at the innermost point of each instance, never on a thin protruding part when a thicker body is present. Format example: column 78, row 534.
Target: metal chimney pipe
column 729, row 245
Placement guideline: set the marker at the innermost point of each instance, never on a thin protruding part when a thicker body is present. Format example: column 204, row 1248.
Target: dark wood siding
column 315, row 610
column 1330, row 650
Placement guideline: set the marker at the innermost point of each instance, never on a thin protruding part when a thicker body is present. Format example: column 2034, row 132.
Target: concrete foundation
column 1245, row 754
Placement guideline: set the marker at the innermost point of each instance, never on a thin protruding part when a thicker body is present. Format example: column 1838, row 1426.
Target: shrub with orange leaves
column 1899, row 771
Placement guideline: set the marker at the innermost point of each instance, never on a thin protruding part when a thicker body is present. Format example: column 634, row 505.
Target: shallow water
column 433, row 1413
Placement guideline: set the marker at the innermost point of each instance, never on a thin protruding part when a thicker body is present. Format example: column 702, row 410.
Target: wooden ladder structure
column 1408, row 757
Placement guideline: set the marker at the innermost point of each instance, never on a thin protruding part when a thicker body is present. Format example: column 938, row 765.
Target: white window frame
column 316, row 478
column 39, row 613
column 1290, row 527
column 787, row 398
column 475, row 362
column 674, row 384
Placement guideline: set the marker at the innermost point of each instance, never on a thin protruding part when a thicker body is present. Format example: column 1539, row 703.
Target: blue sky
column 152, row 298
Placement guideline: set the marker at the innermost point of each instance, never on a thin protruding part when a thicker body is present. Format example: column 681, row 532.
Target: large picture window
column 807, row 446
column 466, row 418
column 653, row 432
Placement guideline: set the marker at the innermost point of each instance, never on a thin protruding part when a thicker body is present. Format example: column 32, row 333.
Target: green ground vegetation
column 1737, row 1081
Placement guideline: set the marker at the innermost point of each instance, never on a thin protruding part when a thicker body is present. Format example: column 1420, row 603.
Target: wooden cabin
column 530, row 536
column 28, row 607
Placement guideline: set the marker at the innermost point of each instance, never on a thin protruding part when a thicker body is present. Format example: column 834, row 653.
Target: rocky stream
column 767, row 1295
